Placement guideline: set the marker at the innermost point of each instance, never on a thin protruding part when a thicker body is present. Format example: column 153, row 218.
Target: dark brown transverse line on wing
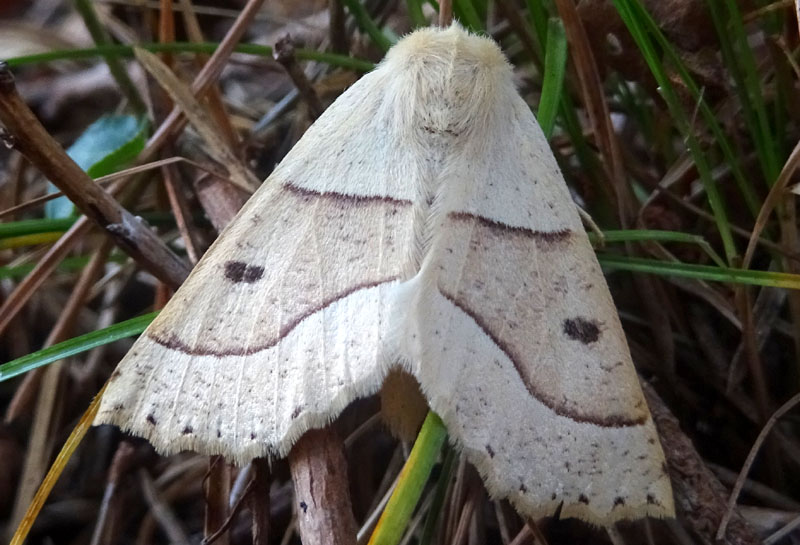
column 344, row 197
column 173, row 343
column 542, row 237
column 546, row 237
column 605, row 421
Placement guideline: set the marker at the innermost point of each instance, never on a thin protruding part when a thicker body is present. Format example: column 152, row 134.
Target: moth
column 422, row 223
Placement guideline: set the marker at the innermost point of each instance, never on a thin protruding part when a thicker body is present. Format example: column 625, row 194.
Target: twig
column 60, row 462
column 765, row 494
column 17, row 299
column 209, row 73
column 127, row 173
column 597, row 108
column 455, row 498
column 737, row 488
column 699, row 496
column 125, row 459
column 221, row 201
column 213, row 96
column 197, row 114
column 324, row 513
column 372, row 519
column 161, row 511
column 517, row 22
column 523, row 537
column 445, row 13
column 782, row 532
column 129, row 232
column 180, row 210
column 24, row 394
column 776, row 193
column 218, row 490
column 284, row 54
column 49, row 384
column 166, row 29
column 470, row 505
column 614, row 536
column 259, row 502
column 538, row 535
column 177, row 482
column 751, row 354
column 338, row 34
column 234, row 511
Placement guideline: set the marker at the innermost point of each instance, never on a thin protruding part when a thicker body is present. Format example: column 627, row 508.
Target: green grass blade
column 652, row 235
column 638, row 22
column 644, row 22
column 468, row 15
column 47, row 225
column 86, row 10
column 30, row 240
column 412, row 480
column 30, row 227
column 368, row 24
column 434, row 513
column 539, row 19
column 739, row 60
column 59, row 351
column 69, row 264
column 701, row 272
column 16, row 272
column 342, row 61
column 415, row 13
column 555, row 68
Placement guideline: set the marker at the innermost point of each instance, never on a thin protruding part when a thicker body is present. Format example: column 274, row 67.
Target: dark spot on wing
column 253, row 273
column 303, row 506
column 541, row 394
column 490, row 450
column 581, row 329
column 619, row 501
column 151, row 419
column 239, row 271
column 187, row 430
column 583, row 499
column 296, row 412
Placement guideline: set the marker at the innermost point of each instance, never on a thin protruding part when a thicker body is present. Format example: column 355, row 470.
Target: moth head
column 453, row 47
column 457, row 78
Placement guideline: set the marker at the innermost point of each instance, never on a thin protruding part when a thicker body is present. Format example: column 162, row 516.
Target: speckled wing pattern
column 421, row 222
